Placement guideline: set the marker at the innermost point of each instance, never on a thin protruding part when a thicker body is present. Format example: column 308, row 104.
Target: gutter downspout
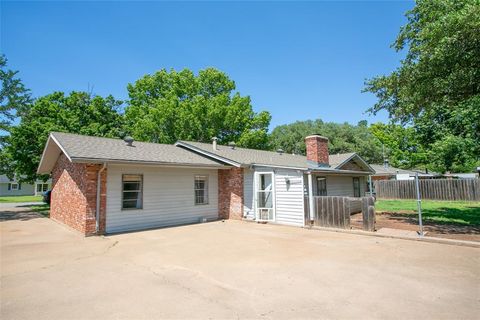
column 370, row 185
column 99, row 186
column 310, row 197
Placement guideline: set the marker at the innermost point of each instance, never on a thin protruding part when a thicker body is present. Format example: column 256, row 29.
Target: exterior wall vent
column 214, row 143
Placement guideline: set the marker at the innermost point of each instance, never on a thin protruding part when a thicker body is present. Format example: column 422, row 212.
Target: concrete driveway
column 230, row 270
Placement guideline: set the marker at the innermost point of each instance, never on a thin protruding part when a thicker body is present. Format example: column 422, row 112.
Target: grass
column 43, row 209
column 441, row 212
column 12, row 199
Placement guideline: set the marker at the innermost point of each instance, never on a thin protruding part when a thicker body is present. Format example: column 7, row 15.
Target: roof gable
column 355, row 163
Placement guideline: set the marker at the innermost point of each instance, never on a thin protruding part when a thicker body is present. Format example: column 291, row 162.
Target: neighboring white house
column 15, row 188
column 387, row 172
column 103, row 185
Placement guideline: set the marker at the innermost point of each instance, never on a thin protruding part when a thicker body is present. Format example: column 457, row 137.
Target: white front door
column 264, row 196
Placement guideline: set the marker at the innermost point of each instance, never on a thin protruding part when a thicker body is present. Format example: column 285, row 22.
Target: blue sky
column 298, row 60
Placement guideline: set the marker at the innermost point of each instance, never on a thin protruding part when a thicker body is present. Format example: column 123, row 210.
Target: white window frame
column 317, row 191
column 14, row 186
column 206, row 197
column 140, row 190
column 44, row 187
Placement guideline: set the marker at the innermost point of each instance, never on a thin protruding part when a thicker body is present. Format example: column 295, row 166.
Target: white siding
column 340, row 186
column 289, row 203
column 27, row 190
column 168, row 198
column 248, row 206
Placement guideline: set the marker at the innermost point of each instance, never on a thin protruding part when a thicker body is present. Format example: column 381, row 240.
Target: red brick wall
column 74, row 188
column 317, row 149
column 230, row 193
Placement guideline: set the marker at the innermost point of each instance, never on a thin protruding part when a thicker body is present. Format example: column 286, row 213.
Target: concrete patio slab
column 230, row 270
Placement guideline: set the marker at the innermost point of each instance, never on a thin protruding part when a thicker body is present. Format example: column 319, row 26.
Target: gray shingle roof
column 260, row 157
column 339, row 158
column 381, row 170
column 80, row 147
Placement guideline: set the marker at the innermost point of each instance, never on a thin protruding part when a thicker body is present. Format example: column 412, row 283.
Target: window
column 356, row 187
column 14, row 186
column 132, row 191
column 201, row 189
column 42, row 187
column 321, row 186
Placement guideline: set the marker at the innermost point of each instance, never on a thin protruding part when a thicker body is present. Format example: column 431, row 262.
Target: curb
column 461, row 243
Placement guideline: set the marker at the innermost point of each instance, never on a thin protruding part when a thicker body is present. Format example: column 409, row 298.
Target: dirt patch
column 405, row 220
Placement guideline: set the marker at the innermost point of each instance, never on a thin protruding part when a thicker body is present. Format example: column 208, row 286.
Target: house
column 469, row 175
column 103, row 185
column 12, row 187
column 387, row 172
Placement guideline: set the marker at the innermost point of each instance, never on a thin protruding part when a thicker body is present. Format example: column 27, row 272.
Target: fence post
column 368, row 213
column 419, row 205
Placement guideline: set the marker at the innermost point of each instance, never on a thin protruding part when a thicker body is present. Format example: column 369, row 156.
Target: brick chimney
column 317, row 150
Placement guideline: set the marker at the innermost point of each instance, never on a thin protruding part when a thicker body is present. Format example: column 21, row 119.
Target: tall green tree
column 78, row 112
column 400, row 145
column 168, row 106
column 14, row 97
column 452, row 153
column 437, row 86
column 343, row 137
column 14, row 100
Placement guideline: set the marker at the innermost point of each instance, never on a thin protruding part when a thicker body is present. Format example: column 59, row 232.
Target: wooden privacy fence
column 433, row 189
column 334, row 212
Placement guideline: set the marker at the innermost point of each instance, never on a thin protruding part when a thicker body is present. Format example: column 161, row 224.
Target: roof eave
column 154, row 163
column 337, row 171
column 48, row 145
column 277, row 166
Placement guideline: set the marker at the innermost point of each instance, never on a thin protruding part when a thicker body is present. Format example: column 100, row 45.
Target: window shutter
column 19, row 186
column 9, row 186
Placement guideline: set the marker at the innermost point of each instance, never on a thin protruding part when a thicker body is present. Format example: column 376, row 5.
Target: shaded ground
column 409, row 221
column 229, row 270
column 444, row 219
column 460, row 213
column 23, row 211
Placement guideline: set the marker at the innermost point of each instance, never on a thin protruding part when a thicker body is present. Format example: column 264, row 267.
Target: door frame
column 256, row 180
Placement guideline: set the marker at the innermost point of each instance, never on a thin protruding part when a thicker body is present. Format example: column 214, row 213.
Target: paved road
column 230, row 270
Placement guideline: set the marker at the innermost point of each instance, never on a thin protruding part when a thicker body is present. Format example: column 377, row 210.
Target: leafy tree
column 14, row 97
column 437, row 86
column 343, row 138
column 168, row 106
column 401, row 145
column 78, row 112
column 452, row 153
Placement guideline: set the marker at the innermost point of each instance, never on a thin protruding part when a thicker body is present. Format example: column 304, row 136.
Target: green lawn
column 11, row 199
column 442, row 212
column 43, row 209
